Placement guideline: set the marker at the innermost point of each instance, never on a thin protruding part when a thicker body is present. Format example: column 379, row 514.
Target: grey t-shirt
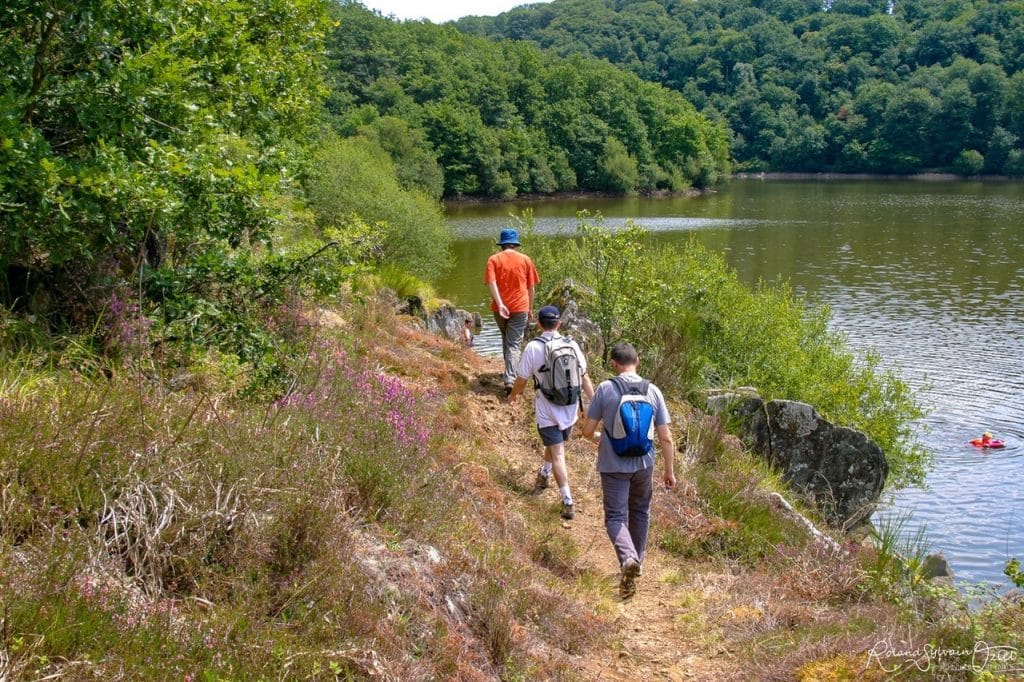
column 603, row 408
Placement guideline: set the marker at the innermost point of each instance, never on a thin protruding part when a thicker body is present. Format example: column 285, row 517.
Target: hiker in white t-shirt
column 554, row 419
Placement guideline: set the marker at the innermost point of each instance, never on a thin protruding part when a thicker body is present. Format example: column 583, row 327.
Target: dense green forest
column 881, row 86
column 504, row 118
column 148, row 163
column 203, row 159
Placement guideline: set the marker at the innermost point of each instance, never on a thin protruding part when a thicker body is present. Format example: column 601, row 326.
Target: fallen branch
column 783, row 505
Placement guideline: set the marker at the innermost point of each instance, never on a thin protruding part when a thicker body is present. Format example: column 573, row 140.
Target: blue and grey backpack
column 632, row 433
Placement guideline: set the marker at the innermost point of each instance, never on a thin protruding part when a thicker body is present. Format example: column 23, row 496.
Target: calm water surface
column 929, row 274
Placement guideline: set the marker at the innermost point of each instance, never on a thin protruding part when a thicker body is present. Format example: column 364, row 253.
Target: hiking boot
column 508, row 390
column 630, row 571
column 542, row 481
column 568, row 511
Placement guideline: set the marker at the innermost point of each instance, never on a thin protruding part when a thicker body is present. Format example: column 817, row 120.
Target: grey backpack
column 561, row 378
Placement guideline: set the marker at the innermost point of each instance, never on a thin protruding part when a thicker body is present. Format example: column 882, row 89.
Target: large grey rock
column 449, row 320
column 575, row 324
column 839, row 470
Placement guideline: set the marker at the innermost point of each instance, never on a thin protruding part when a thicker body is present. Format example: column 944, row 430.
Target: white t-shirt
column 548, row 414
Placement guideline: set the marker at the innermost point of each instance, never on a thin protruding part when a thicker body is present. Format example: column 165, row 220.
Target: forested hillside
column 504, row 118
column 884, row 86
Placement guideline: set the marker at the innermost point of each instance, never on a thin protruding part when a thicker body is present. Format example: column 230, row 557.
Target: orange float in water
column 987, row 441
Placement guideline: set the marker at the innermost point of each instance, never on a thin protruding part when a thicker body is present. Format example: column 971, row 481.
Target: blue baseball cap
column 508, row 236
column 549, row 313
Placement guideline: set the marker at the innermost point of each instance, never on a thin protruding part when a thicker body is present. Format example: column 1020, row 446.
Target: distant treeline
column 505, row 118
column 893, row 86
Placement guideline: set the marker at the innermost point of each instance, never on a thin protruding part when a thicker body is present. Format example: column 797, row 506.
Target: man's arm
column 668, row 452
column 590, row 428
column 527, row 364
column 588, row 388
column 502, row 308
column 531, row 291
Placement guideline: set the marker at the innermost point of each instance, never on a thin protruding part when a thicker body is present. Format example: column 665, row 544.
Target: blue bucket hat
column 508, row 236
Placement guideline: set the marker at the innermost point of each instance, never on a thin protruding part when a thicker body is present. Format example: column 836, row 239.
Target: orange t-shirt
column 514, row 273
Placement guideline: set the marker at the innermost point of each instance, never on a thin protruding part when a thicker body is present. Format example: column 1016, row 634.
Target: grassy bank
column 341, row 530
column 378, row 522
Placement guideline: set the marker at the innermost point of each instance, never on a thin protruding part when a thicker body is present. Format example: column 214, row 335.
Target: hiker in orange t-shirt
column 512, row 278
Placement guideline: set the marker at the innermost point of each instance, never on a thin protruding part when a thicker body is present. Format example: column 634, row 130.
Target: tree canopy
column 884, row 86
column 505, row 117
column 147, row 133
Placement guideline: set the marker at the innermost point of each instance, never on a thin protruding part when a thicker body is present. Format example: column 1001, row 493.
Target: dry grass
column 191, row 533
column 159, row 534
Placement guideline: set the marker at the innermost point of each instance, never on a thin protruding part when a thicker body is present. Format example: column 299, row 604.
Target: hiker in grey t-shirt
column 627, row 483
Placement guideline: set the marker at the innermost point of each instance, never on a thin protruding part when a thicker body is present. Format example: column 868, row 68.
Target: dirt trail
column 655, row 638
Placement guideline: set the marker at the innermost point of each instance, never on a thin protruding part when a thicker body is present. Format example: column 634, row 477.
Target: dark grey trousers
column 627, row 511
column 512, row 331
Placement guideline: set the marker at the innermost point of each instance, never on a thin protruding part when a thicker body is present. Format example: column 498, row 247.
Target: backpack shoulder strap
column 544, row 366
column 625, row 387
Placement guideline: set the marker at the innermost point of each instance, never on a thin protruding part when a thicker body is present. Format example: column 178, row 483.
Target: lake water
column 929, row 274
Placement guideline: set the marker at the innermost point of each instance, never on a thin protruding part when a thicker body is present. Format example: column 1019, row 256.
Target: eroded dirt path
column 658, row 634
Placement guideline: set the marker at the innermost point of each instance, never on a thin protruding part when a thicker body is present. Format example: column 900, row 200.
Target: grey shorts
column 552, row 435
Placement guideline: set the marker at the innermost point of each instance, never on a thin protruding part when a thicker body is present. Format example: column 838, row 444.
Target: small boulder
column 575, row 324
column 448, row 321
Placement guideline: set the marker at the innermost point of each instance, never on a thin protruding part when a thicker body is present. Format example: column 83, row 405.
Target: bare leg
column 556, row 455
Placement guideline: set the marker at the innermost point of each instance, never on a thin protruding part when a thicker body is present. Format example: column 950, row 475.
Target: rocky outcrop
column 575, row 325
column 448, row 321
column 837, row 469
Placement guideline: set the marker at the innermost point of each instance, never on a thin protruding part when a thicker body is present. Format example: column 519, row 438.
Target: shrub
column 968, row 162
column 695, row 325
column 1014, row 166
column 244, row 302
column 355, row 177
column 619, row 167
column 415, row 163
column 117, row 157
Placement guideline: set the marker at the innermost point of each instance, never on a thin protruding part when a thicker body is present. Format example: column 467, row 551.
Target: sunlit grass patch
column 552, row 547
column 601, row 588
column 672, row 576
column 842, row 667
column 693, row 616
column 732, row 489
column 835, row 648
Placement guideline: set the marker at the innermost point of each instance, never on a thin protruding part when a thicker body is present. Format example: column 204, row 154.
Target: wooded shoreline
column 697, row 192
